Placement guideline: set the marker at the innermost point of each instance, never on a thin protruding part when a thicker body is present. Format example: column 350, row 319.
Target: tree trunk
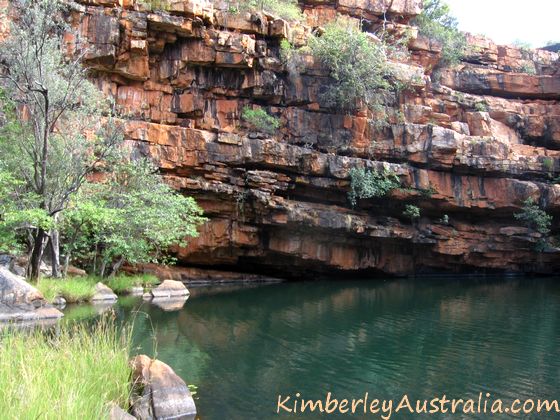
column 37, row 255
column 116, row 267
column 55, row 253
column 66, row 264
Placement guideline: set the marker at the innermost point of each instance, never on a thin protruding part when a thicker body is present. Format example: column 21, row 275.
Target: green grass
column 73, row 289
column 123, row 284
column 72, row 373
column 81, row 289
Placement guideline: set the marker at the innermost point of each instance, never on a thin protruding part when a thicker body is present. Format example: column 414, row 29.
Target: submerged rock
column 158, row 392
column 168, row 289
column 103, row 293
column 19, row 301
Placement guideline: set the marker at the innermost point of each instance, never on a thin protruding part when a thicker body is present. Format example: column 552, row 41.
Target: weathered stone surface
column 158, row 392
column 472, row 146
column 103, row 293
column 19, row 301
column 169, row 289
column 117, row 413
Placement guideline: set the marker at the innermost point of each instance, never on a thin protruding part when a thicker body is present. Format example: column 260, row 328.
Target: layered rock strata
column 469, row 148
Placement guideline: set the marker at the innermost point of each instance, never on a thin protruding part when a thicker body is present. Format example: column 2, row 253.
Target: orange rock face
column 468, row 150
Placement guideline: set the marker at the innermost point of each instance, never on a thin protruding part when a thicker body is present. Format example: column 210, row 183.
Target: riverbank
column 71, row 372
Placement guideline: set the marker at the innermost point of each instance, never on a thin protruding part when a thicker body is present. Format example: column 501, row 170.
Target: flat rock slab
column 103, row 292
column 170, row 289
column 159, row 393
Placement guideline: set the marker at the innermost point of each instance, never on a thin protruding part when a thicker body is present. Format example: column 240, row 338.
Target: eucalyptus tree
column 65, row 124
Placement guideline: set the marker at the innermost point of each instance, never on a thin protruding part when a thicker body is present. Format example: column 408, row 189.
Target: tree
column 131, row 216
column 357, row 64
column 65, row 129
column 412, row 212
column 436, row 22
column 536, row 220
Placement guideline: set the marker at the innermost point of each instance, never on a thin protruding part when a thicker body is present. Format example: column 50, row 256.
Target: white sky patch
column 505, row 21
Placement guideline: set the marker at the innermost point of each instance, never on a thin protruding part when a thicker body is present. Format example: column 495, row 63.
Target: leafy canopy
column 357, row 64
column 536, row 220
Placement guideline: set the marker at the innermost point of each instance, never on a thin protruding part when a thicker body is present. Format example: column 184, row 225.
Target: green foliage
column 412, row 212
column 370, row 183
column 528, row 68
column 548, row 164
column 261, row 120
column 481, row 106
column 358, row 66
column 133, row 216
column 73, row 373
column 285, row 9
column 436, row 22
column 536, row 220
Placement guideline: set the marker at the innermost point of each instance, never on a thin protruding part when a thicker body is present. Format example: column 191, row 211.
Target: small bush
column 412, row 212
column 481, row 106
column 370, row 183
column 285, row 9
column 528, row 68
column 536, row 220
column 261, row 120
column 357, row 65
column 436, row 22
column 73, row 373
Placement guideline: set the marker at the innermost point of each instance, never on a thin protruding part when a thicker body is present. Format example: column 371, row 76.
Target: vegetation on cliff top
column 285, row 9
column 73, row 373
column 56, row 134
column 436, row 23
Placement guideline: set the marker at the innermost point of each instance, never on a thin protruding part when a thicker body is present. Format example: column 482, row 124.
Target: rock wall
column 278, row 205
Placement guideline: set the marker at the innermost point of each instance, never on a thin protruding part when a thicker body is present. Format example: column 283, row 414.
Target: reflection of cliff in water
column 424, row 338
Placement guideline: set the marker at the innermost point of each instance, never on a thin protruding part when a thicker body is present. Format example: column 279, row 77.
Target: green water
column 243, row 347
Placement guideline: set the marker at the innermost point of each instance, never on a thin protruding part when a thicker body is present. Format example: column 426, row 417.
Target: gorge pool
column 244, row 346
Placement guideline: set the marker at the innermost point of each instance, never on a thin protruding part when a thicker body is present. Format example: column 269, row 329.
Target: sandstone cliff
column 278, row 204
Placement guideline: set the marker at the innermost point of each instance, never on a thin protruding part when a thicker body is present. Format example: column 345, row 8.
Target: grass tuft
column 123, row 284
column 71, row 373
column 74, row 289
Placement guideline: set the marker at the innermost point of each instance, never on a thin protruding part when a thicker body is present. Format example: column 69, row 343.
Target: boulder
column 169, row 289
column 117, row 413
column 19, row 301
column 103, row 293
column 158, row 393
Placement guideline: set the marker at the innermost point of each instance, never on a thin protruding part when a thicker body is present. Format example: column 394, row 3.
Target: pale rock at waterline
column 158, row 392
column 103, row 293
column 168, row 289
column 19, row 301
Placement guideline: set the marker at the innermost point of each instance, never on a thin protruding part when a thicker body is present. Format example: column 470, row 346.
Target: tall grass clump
column 73, row 289
column 123, row 284
column 71, row 373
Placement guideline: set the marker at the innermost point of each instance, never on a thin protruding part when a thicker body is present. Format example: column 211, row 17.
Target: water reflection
column 244, row 347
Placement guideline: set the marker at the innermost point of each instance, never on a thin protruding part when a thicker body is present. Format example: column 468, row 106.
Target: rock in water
column 19, row 301
column 170, row 289
column 158, row 392
column 103, row 293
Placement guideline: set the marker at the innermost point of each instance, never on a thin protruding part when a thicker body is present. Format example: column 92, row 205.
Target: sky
column 505, row 21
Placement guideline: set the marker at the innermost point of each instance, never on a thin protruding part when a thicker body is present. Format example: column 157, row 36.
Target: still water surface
column 244, row 346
